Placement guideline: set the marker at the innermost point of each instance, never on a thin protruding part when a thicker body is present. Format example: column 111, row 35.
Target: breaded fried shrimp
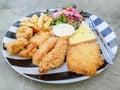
column 55, row 58
column 39, row 38
column 24, row 32
column 15, row 46
column 29, row 51
column 43, row 50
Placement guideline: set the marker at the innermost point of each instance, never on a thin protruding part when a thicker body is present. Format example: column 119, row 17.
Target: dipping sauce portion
column 63, row 29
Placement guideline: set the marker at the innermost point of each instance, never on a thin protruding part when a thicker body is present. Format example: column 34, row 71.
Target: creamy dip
column 63, row 29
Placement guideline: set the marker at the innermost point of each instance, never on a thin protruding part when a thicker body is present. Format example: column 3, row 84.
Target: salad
column 67, row 15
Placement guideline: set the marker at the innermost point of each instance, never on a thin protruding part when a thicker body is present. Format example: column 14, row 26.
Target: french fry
column 47, row 24
column 35, row 28
column 46, row 18
column 40, row 20
column 34, row 18
column 30, row 20
column 38, row 23
column 25, row 20
column 27, row 24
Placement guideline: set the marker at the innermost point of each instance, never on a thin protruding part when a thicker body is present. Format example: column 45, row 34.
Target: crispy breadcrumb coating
column 40, row 38
column 43, row 50
column 84, row 59
column 29, row 51
column 55, row 58
column 24, row 32
column 15, row 46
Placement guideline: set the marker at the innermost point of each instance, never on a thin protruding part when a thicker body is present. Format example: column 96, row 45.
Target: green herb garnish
column 61, row 19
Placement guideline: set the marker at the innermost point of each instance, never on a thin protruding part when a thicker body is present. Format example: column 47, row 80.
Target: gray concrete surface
column 12, row 10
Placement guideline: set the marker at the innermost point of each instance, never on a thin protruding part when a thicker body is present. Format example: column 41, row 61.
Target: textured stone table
column 12, row 10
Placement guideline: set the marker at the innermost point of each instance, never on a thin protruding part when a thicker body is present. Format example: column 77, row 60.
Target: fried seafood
column 29, row 51
column 55, row 58
column 24, row 32
column 31, row 22
column 39, row 38
column 15, row 46
column 43, row 50
column 84, row 59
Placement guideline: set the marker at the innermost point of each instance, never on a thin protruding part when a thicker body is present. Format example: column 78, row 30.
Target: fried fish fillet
column 55, row 58
column 15, row 46
column 28, row 51
column 39, row 38
column 84, row 59
column 43, row 50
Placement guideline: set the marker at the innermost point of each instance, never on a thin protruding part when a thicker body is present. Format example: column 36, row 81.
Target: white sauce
column 63, row 29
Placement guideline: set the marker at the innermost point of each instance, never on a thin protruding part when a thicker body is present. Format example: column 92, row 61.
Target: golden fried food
column 29, row 51
column 24, row 32
column 44, row 22
column 47, row 23
column 33, row 19
column 38, row 24
column 43, row 50
column 41, row 20
column 39, row 38
column 55, row 58
column 84, row 59
column 31, row 25
column 15, row 46
column 31, row 22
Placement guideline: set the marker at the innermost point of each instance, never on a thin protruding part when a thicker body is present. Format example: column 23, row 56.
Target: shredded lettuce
column 61, row 19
